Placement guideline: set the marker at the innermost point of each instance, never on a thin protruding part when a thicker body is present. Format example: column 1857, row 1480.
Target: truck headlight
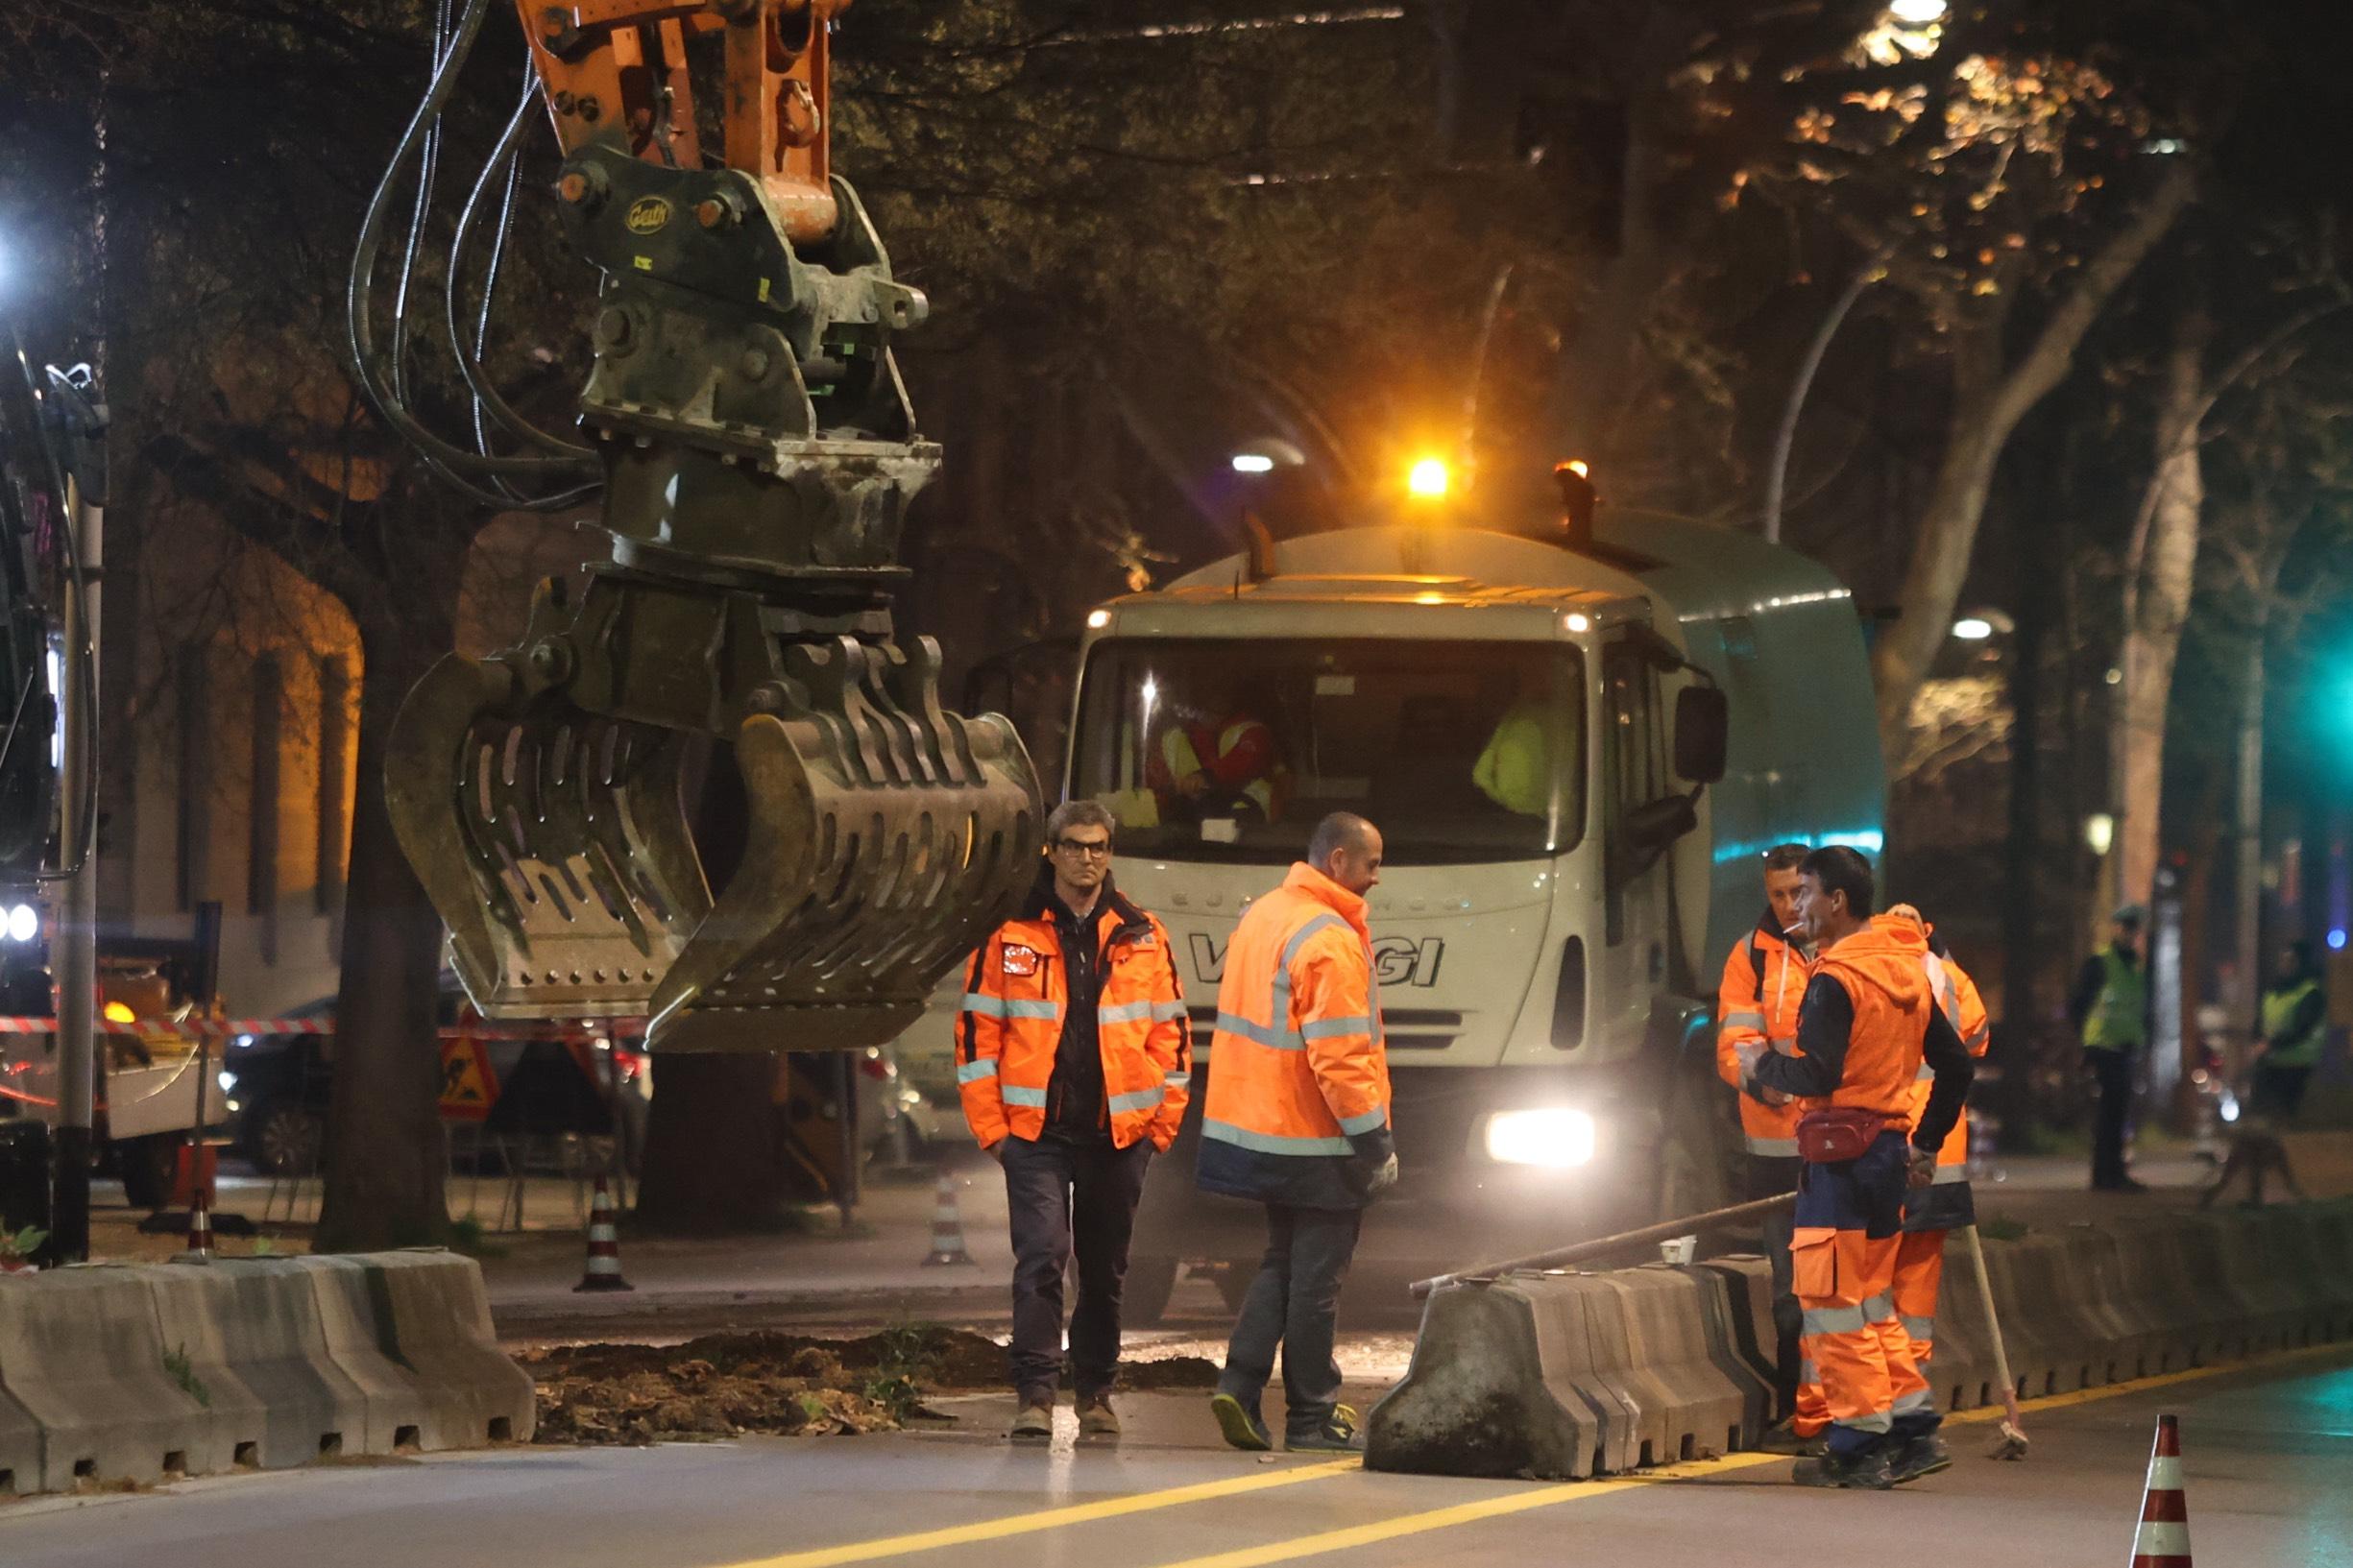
column 1556, row 1139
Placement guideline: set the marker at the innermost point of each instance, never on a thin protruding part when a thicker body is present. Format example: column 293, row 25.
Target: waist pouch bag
column 1843, row 1132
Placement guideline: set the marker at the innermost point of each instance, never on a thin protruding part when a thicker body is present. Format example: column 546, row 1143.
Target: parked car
column 278, row 1086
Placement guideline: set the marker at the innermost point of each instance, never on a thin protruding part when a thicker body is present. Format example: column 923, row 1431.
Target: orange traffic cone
column 947, row 1228
column 604, row 1247
column 2164, row 1537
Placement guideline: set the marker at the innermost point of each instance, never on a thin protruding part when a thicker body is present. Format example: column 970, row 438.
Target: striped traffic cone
column 2164, row 1537
column 947, row 1228
column 200, row 1232
column 604, row 1247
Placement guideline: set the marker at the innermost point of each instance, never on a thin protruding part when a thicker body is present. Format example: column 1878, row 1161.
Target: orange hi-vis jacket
column 1956, row 994
column 1756, row 1009
column 1298, row 1073
column 1015, row 995
column 1882, row 972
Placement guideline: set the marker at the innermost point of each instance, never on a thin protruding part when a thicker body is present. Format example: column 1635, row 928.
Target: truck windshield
column 1231, row 750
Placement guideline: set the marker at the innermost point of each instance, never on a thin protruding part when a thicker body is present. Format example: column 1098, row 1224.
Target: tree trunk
column 2247, row 874
column 385, row 1161
column 712, row 1147
column 2158, row 573
column 1989, row 402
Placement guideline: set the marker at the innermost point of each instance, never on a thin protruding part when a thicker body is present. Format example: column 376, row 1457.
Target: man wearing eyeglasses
column 1072, row 1056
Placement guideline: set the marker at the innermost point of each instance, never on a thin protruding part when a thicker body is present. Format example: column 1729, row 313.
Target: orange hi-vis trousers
column 1920, row 1272
column 1852, row 1340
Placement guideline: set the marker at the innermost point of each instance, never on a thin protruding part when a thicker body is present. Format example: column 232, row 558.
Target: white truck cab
column 1556, row 897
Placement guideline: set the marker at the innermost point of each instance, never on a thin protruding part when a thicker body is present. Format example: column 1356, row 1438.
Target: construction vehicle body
column 1545, row 960
column 755, row 454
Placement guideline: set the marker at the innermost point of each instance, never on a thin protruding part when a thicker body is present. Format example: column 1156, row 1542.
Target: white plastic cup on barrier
column 1678, row 1250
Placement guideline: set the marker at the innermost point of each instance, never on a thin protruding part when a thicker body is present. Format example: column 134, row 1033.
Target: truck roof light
column 1428, row 478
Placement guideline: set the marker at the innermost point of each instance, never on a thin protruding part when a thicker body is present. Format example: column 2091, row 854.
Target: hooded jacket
column 1869, row 1022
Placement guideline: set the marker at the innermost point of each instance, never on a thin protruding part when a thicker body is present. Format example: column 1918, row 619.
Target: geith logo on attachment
column 647, row 215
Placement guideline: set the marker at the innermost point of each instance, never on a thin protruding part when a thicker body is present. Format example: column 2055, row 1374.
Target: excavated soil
column 731, row 1385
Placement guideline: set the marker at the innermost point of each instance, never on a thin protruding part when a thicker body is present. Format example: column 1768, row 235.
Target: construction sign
column 467, row 1086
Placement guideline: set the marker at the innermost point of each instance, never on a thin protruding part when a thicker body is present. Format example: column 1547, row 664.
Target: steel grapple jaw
column 540, row 795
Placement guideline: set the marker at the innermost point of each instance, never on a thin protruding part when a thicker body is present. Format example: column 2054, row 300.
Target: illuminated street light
column 2098, row 833
column 1253, row 463
column 1972, row 629
column 1263, row 456
column 1917, row 13
column 1428, row 478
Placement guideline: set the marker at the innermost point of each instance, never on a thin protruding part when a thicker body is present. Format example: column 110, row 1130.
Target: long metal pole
column 1602, row 1247
column 77, row 952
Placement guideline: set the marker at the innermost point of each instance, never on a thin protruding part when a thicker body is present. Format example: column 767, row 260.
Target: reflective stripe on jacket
column 1298, row 1078
column 1010, row 1026
column 1756, row 1009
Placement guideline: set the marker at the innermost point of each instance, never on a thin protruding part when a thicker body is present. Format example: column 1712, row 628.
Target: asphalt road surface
column 2268, row 1449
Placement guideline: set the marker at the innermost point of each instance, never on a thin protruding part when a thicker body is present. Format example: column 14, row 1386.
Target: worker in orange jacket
column 1296, row 1116
column 1946, row 1203
column 1072, row 1056
column 1868, row 1022
column 1765, row 976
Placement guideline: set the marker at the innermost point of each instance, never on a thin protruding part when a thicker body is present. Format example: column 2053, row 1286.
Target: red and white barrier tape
column 160, row 1029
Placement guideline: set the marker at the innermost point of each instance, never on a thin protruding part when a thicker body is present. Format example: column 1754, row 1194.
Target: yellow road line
column 1078, row 1513
column 1577, row 1491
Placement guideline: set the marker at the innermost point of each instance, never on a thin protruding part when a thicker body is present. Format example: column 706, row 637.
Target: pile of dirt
column 731, row 1385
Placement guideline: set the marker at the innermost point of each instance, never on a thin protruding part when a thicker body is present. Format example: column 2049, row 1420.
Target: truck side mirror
column 1702, row 720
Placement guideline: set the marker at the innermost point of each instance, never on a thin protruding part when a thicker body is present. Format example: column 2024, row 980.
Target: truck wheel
column 148, row 1165
column 1144, row 1298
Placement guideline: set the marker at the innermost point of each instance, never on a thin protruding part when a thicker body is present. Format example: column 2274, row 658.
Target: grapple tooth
column 554, row 845
column 855, row 894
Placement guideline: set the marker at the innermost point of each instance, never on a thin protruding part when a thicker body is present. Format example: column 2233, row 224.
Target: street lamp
column 1263, row 456
column 1917, row 13
column 1972, row 629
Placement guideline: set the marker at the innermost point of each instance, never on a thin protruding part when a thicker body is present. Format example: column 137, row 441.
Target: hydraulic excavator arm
column 757, row 454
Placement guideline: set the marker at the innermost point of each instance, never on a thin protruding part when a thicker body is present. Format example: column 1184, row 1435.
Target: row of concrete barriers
column 141, row 1372
column 1560, row 1376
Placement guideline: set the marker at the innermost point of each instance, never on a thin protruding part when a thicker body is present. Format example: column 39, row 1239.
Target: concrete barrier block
column 1481, row 1396
column 1960, row 1368
column 396, row 1413
column 1748, row 1302
column 82, row 1352
column 20, row 1445
column 250, row 1332
column 1676, row 1322
column 434, row 1320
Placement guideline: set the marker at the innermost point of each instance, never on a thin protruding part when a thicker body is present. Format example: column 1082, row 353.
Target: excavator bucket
column 540, row 797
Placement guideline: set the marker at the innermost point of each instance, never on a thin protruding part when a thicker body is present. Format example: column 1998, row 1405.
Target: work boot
column 1097, row 1418
column 1241, row 1423
column 1917, row 1456
column 1336, row 1434
column 1866, row 1471
column 1034, row 1422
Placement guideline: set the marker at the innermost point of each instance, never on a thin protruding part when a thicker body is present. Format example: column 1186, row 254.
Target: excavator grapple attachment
column 543, row 804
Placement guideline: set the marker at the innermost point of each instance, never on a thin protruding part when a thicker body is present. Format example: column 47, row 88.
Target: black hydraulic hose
column 454, row 462
column 487, row 397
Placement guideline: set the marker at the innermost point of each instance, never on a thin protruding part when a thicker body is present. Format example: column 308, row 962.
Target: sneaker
column 1239, row 1423
column 1337, row 1434
column 1866, row 1471
column 1033, row 1423
column 1097, row 1418
column 1917, row 1456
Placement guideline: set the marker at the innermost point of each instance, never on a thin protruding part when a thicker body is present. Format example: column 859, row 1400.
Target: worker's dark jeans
column 1065, row 1196
column 2113, row 1072
column 1294, row 1301
column 1768, row 1175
